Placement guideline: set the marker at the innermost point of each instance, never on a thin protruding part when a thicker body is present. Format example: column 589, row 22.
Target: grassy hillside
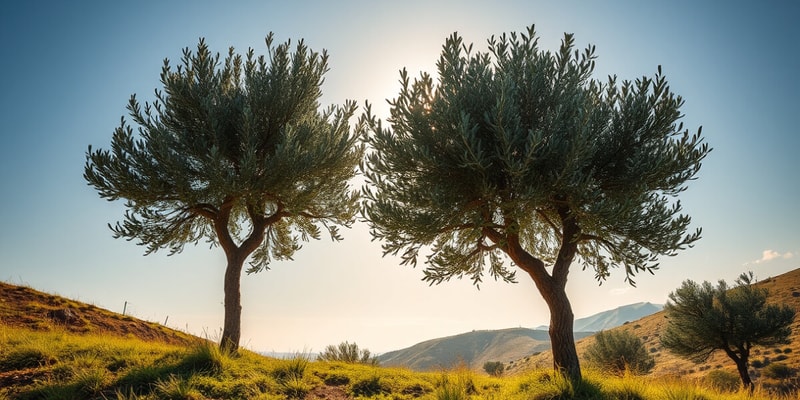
column 783, row 289
column 24, row 307
column 97, row 354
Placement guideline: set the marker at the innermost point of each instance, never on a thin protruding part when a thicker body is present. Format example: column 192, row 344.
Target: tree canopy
column 235, row 152
column 519, row 152
column 703, row 319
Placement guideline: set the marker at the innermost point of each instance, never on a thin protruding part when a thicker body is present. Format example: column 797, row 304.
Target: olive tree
column 702, row 319
column 235, row 152
column 518, row 152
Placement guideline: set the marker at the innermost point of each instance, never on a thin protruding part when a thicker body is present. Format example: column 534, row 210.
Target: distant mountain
column 613, row 318
column 473, row 349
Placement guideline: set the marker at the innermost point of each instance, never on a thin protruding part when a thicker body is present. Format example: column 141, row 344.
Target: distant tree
column 619, row 351
column 349, row 353
column 518, row 152
column 236, row 153
column 494, row 368
column 703, row 319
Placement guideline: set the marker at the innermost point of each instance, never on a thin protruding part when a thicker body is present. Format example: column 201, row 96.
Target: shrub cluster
column 619, row 351
column 349, row 353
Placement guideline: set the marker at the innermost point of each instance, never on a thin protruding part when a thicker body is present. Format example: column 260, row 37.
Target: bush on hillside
column 349, row 353
column 724, row 380
column 779, row 371
column 494, row 368
column 619, row 351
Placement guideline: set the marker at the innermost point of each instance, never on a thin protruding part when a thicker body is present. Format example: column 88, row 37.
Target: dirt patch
column 328, row 393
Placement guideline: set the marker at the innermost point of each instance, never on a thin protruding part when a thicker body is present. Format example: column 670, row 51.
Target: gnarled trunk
column 741, row 359
column 562, row 338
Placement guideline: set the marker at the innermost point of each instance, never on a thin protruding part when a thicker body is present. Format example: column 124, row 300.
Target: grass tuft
column 206, row 357
column 177, row 388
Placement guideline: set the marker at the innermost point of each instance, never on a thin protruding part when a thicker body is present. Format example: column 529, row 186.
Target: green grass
column 61, row 365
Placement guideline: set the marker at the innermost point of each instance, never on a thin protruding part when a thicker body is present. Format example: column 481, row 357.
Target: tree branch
column 569, row 245
column 221, row 220
column 584, row 237
column 547, row 219
column 204, row 210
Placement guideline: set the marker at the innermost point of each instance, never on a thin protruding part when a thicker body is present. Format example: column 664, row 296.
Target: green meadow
column 57, row 364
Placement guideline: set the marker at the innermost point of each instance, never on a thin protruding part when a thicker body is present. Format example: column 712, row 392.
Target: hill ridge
column 22, row 306
column 473, row 349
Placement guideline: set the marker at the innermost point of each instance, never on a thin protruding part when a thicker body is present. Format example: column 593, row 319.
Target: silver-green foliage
column 618, row 352
column 232, row 150
column 522, row 143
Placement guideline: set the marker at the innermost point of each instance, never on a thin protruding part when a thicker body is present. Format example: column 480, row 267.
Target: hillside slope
column 471, row 349
column 616, row 317
column 783, row 289
column 475, row 348
column 24, row 307
column 612, row 318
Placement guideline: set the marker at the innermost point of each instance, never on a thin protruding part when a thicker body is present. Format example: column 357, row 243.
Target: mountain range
column 473, row 349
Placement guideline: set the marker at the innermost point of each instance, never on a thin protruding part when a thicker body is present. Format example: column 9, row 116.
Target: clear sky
column 68, row 69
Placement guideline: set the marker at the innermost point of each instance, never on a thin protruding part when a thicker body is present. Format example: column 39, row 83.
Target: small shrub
column 336, row 380
column 723, row 380
column 369, row 387
column 415, row 390
column 494, row 368
column 619, row 351
column 349, row 353
column 779, row 371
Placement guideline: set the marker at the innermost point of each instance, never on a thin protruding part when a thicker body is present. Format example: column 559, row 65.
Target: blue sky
column 69, row 67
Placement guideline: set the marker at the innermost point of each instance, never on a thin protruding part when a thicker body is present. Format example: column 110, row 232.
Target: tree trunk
column 553, row 291
column 741, row 366
column 562, row 338
column 232, row 327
